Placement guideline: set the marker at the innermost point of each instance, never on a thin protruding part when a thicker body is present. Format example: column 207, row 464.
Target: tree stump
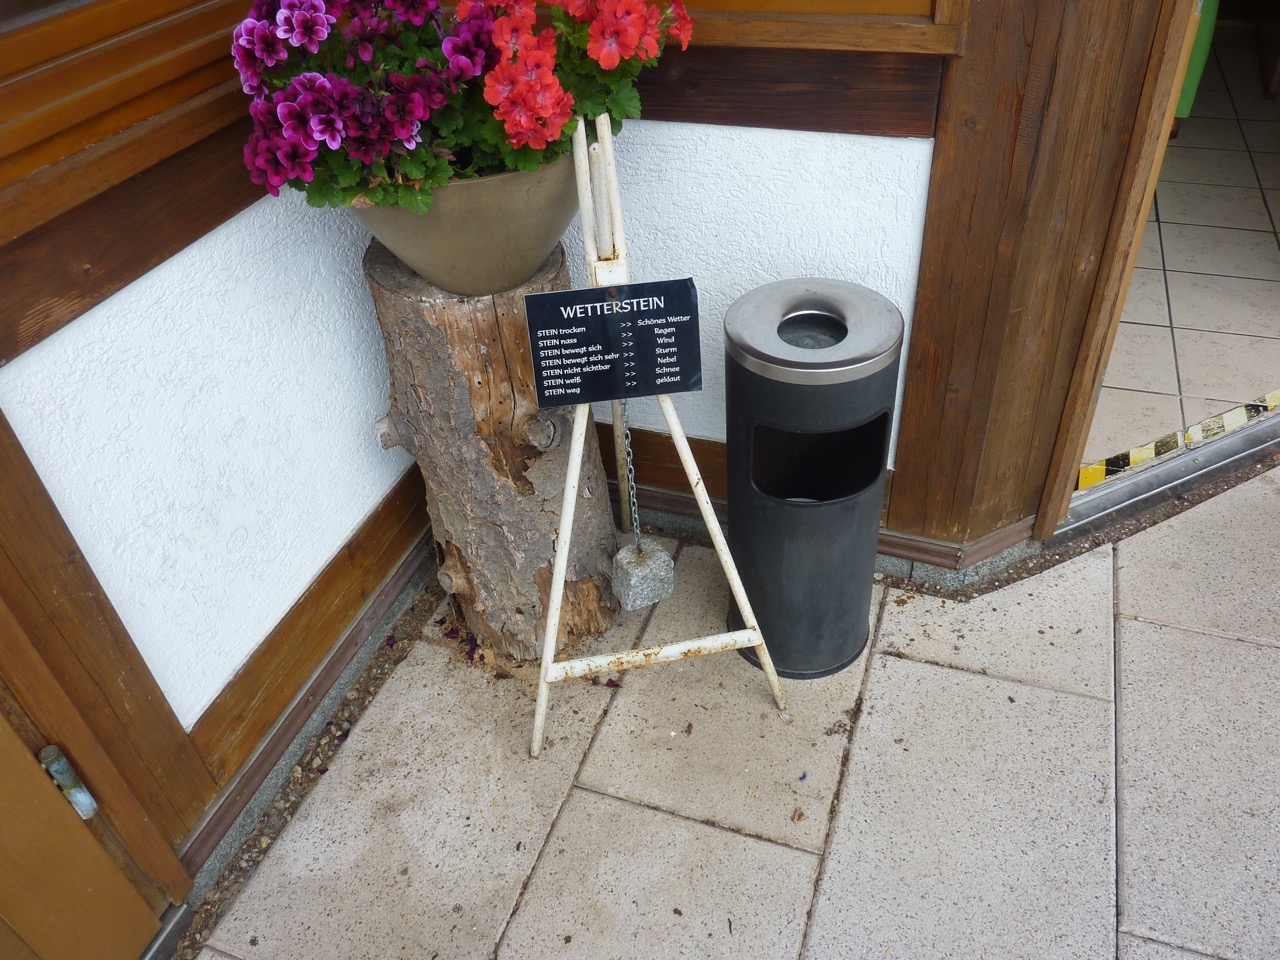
column 463, row 403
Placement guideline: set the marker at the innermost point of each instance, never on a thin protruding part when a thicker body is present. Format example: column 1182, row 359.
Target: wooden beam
column 248, row 707
column 52, row 190
column 880, row 34
column 879, row 94
column 56, row 598
column 1033, row 133
column 1170, row 54
column 56, row 272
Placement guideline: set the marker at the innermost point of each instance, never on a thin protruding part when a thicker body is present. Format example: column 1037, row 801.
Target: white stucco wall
column 735, row 208
column 207, row 433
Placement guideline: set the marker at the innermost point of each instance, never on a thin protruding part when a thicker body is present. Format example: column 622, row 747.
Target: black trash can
column 811, row 378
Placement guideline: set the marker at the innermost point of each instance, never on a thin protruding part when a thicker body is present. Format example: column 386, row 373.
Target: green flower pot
column 481, row 236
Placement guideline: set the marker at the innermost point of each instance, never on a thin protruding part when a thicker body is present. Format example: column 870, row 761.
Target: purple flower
column 466, row 49
column 262, row 157
column 260, row 39
column 360, row 34
column 327, row 128
column 405, row 112
column 247, row 67
column 428, row 86
column 295, row 124
column 295, row 159
column 303, row 28
column 413, row 11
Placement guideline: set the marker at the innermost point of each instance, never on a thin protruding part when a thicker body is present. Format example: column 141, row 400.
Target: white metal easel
column 605, row 249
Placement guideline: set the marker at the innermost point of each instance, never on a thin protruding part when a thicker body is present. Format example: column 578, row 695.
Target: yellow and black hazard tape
column 1215, row 426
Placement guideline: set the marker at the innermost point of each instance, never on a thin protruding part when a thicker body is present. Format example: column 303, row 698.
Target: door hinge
column 64, row 775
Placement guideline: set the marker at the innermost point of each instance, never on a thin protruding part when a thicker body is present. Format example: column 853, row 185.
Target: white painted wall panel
column 735, row 208
column 207, row 433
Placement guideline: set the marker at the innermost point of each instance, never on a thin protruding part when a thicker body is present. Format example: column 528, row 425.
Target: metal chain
column 631, row 476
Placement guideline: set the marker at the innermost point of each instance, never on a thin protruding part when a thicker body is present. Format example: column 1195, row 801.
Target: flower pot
column 481, row 236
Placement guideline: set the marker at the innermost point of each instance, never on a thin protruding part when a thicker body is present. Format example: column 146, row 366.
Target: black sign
column 612, row 343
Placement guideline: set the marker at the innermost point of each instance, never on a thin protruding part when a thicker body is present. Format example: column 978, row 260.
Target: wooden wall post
column 1033, row 143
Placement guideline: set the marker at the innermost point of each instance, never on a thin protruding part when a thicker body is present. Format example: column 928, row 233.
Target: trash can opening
column 812, row 329
column 803, row 467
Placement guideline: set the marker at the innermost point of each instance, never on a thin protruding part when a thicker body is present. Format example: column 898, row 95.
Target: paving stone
column 622, row 881
column 976, row 820
column 1207, row 569
column 703, row 738
column 1136, row 948
column 1199, row 791
column 418, row 839
column 1054, row 630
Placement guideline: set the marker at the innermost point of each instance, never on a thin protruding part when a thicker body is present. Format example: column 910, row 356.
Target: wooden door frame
column 1045, row 132
column 1170, row 55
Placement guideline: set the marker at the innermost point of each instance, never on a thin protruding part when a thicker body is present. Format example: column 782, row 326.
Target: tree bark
column 463, row 403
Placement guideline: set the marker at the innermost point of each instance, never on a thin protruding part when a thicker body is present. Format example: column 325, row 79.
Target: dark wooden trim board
column 255, row 773
column 229, row 731
column 54, row 273
column 839, row 91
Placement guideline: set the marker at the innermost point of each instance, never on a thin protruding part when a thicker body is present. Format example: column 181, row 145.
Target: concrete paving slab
column 208, row 953
column 418, row 839
column 976, row 820
column 702, row 738
column 1054, row 630
column 622, row 881
column 1136, row 948
column 1199, row 753
column 1208, row 569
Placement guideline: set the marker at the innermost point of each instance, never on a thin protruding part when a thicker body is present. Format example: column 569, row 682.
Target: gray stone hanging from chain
column 643, row 572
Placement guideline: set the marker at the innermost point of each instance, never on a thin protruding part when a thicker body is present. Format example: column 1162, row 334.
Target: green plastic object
column 1199, row 56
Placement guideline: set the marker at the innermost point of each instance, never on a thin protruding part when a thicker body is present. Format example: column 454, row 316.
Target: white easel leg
column 558, row 570
column 722, row 547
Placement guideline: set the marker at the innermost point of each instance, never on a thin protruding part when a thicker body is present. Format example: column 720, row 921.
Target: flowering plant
column 383, row 101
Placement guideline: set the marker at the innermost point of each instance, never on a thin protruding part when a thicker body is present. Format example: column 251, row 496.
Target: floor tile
column 1146, row 301
column 976, row 820
column 1273, row 202
column 1268, row 165
column 1149, row 255
column 621, row 881
column 1212, row 103
column 1212, row 79
column 1142, row 359
column 1262, row 136
column 1227, row 365
column 1225, row 304
column 1199, row 758
column 1206, row 569
column 1195, row 165
column 1137, row 948
column 1196, row 410
column 703, row 738
column 424, row 829
column 1053, row 631
column 1124, row 419
column 1214, row 206
column 1212, row 133
column 1225, row 252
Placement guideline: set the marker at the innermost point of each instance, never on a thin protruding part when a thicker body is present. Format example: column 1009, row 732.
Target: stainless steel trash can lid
column 814, row 331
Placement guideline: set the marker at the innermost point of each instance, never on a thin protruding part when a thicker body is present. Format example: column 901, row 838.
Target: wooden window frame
column 878, row 26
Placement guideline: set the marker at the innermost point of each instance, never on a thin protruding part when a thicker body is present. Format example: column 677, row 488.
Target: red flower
column 580, row 10
column 682, row 29
column 530, row 102
column 617, row 31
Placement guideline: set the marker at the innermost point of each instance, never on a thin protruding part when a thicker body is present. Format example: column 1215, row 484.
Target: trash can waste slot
column 818, row 467
column 812, row 330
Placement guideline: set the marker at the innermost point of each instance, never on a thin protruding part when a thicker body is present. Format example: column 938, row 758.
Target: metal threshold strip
column 1125, row 497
